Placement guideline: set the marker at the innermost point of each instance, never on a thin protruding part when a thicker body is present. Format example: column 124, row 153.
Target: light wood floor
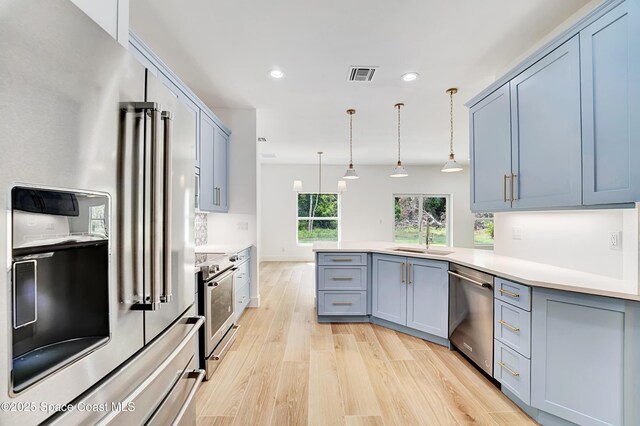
column 285, row 368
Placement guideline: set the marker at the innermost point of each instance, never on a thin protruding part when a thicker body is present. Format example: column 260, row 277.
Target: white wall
column 573, row 239
column 239, row 225
column 367, row 212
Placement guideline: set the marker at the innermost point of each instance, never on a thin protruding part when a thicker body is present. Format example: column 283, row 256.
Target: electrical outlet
column 243, row 226
column 615, row 240
column 516, row 232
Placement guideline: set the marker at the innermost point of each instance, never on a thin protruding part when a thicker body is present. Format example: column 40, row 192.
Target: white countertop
column 523, row 271
column 222, row 248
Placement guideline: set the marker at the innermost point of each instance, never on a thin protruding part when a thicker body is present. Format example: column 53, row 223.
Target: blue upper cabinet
column 490, row 122
column 214, row 148
column 574, row 127
column 207, row 194
column 546, row 141
column 212, row 144
column 610, row 49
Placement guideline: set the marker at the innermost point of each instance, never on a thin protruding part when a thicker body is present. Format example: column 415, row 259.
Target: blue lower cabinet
column 428, row 296
column 342, row 303
column 389, row 287
column 411, row 292
column 513, row 371
column 578, row 364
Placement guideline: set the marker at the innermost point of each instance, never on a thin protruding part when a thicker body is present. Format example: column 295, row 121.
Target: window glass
column 413, row 212
column 483, row 229
column 318, row 218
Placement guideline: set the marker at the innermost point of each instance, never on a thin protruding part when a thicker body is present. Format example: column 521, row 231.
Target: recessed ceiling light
column 410, row 76
column 276, row 73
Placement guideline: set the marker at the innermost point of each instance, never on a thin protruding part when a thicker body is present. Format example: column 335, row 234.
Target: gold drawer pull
column 510, row 371
column 508, row 293
column 342, row 259
column 342, row 303
column 509, row 326
column 342, row 278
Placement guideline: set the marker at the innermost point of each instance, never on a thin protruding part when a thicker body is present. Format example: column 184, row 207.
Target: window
column 97, row 223
column 318, row 218
column 413, row 211
column 483, row 229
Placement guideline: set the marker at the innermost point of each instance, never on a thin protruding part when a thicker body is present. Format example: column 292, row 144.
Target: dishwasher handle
column 471, row 280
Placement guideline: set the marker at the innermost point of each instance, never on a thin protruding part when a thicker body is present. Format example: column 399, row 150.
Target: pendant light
column 451, row 165
column 399, row 170
column 351, row 172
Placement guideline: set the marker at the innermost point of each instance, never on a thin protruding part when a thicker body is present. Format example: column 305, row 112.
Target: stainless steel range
column 216, row 302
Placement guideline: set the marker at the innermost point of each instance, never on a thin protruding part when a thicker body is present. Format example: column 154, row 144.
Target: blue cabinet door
column 220, row 170
column 428, row 296
column 490, row 130
column 610, row 59
column 207, row 192
column 578, row 357
column 546, row 131
column 389, row 288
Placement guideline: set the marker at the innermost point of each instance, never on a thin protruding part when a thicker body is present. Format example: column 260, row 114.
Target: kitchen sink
column 422, row 251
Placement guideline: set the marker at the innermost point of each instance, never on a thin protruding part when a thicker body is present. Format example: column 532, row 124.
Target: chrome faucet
column 428, row 236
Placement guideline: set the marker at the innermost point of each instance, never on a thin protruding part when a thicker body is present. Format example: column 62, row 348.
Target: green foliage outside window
column 317, row 218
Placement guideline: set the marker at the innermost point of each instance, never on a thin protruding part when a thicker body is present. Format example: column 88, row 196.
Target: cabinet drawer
column 342, row 278
column 244, row 255
column 342, row 303
column 243, row 275
column 516, row 294
column 243, row 297
column 513, row 327
column 342, row 259
column 513, row 371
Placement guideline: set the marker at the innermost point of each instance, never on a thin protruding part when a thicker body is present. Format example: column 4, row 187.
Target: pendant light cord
column 398, row 106
column 451, row 122
column 350, row 139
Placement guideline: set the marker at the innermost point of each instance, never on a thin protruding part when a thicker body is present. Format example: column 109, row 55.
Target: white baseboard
column 255, row 302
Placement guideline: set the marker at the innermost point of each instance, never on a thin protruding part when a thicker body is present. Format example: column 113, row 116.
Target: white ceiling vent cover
column 361, row 73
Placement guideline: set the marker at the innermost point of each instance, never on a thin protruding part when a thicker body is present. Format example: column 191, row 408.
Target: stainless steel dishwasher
column 471, row 315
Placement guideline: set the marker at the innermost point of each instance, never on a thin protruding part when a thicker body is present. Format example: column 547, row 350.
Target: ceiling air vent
column 361, row 73
column 261, row 139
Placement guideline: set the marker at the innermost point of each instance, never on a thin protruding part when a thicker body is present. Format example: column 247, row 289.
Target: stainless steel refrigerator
column 96, row 181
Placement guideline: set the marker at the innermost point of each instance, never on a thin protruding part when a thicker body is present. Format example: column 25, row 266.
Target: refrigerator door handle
column 167, row 119
column 132, row 178
column 155, row 223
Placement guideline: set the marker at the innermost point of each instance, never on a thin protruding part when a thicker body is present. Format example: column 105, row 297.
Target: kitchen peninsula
column 565, row 343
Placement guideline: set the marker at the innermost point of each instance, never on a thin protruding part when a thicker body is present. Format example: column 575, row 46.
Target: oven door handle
column 216, row 282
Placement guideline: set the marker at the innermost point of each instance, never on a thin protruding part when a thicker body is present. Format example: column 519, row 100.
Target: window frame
column 449, row 207
column 299, row 218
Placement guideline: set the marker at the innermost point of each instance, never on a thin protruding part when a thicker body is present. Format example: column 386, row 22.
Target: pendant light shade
column 297, row 186
column 399, row 170
column 351, row 172
column 451, row 165
column 342, row 186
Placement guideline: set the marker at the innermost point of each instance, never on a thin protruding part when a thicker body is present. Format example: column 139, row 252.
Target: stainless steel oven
column 217, row 302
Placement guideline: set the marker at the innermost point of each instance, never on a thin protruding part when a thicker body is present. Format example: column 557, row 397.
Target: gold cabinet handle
column 342, row 278
column 510, row 371
column 402, row 273
column 513, row 180
column 408, row 273
column 509, row 326
column 342, row 259
column 508, row 293
column 504, row 188
column 342, row 303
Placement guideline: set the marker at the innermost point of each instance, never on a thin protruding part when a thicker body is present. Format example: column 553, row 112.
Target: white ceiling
column 224, row 49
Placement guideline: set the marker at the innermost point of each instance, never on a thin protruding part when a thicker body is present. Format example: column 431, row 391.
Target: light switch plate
column 516, row 232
